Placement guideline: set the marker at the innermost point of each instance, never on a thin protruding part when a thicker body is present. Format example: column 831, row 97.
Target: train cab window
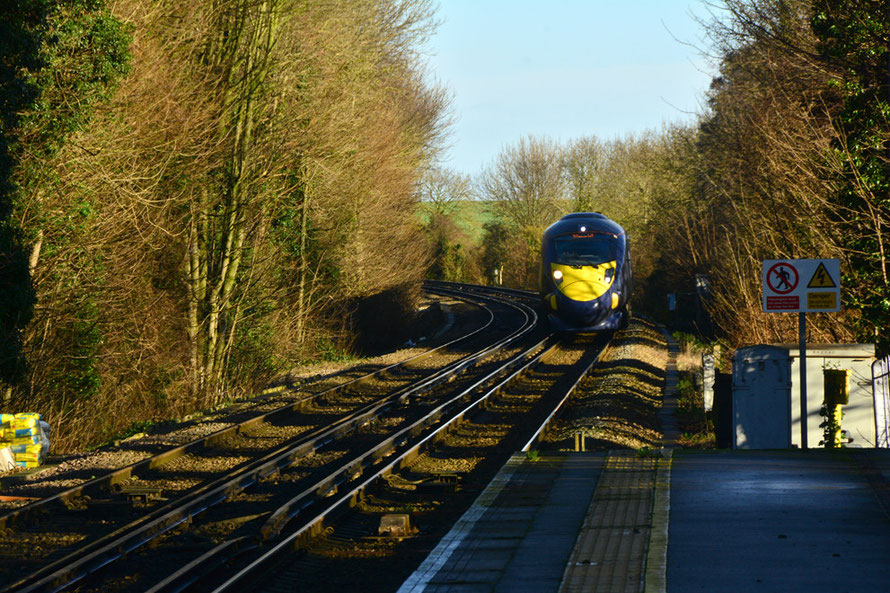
column 584, row 250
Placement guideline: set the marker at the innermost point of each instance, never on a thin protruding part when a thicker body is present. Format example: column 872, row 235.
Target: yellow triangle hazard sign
column 821, row 278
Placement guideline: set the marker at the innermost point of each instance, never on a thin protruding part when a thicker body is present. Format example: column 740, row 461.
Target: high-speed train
column 586, row 276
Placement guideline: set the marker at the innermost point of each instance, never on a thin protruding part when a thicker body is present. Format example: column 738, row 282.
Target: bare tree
column 764, row 169
column 527, row 188
column 583, row 161
column 443, row 189
column 526, row 183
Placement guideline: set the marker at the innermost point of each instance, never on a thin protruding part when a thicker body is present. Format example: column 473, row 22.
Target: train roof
column 591, row 221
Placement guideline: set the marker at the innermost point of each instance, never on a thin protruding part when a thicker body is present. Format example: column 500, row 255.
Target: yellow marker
column 836, row 386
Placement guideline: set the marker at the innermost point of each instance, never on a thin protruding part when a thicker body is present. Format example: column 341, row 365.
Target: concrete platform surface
column 771, row 521
column 577, row 522
column 779, row 521
column 519, row 533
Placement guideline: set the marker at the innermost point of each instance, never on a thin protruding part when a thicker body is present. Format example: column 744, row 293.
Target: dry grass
column 697, row 429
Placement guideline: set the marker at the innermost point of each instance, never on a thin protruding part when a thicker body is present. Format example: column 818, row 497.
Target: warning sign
column 784, row 290
column 821, row 278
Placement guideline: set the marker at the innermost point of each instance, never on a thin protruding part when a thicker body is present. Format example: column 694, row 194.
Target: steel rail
column 541, row 431
column 107, row 549
column 204, row 565
column 519, row 365
column 479, row 288
column 289, row 510
column 314, row 525
column 352, row 469
column 108, row 480
column 191, row 574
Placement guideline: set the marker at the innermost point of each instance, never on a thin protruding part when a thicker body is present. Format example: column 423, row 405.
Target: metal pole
column 802, row 330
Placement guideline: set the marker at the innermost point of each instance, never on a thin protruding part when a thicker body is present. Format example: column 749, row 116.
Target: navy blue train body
column 586, row 276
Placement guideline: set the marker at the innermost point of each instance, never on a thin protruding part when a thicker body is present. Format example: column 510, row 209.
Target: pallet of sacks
column 24, row 440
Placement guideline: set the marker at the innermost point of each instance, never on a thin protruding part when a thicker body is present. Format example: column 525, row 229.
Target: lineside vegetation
column 788, row 159
column 196, row 194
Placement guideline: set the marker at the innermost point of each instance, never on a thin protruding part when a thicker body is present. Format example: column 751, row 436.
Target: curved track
column 503, row 411
column 464, row 452
column 98, row 522
column 245, row 506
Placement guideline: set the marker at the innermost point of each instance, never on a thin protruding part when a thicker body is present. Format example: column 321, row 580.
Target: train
column 586, row 276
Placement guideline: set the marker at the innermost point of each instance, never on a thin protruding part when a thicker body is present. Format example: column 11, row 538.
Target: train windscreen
column 590, row 249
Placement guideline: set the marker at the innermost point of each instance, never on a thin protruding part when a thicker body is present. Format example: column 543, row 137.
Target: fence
column 880, row 377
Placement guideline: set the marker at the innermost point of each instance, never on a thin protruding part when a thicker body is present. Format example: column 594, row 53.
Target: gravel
column 617, row 405
column 67, row 471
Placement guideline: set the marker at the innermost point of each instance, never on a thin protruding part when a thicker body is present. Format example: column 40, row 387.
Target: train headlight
column 557, row 275
column 608, row 275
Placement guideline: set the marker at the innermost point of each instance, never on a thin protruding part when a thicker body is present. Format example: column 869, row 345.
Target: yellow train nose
column 584, row 283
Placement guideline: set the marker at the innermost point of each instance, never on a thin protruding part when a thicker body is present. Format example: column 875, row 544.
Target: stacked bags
column 24, row 440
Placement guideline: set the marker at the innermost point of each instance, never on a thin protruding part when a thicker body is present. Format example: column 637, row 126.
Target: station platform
column 673, row 521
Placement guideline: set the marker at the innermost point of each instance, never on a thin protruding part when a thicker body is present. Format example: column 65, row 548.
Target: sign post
column 802, row 347
column 801, row 286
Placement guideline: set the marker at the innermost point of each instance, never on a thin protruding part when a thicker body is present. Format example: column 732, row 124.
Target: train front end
column 585, row 278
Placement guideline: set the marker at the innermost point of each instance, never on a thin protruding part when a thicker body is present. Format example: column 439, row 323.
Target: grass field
column 470, row 215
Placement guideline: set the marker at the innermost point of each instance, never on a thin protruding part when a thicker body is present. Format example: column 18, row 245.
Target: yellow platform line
column 609, row 555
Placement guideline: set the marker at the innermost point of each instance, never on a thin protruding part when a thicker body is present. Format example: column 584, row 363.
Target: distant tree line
column 196, row 194
column 790, row 159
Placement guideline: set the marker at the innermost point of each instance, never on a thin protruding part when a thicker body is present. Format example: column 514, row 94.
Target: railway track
column 452, row 462
column 529, row 297
column 264, row 502
column 89, row 527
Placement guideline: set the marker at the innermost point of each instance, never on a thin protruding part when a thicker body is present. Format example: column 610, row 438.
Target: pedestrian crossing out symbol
column 782, row 278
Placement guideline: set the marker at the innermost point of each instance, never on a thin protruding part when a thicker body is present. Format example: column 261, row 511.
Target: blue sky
column 564, row 69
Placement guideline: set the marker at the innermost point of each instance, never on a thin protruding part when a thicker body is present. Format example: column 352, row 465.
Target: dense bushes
column 234, row 179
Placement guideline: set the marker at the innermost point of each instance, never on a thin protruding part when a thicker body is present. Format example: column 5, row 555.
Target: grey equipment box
column 761, row 398
column 766, row 394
